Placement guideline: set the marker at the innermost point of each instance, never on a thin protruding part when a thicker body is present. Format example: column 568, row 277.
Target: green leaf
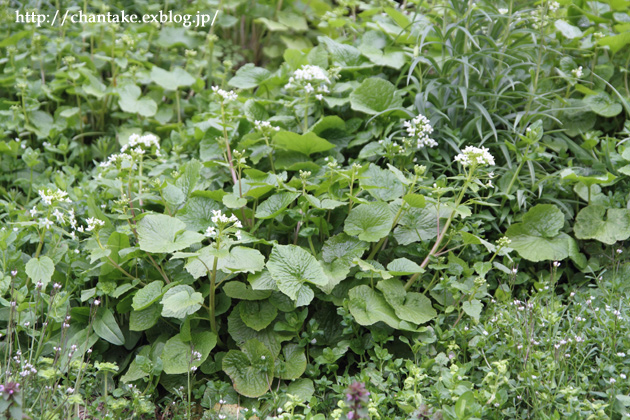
column 343, row 55
column 403, row 267
column 375, row 95
column 144, row 319
column 177, row 355
column 233, row 201
column 538, row 237
column 239, row 290
column 130, row 101
column 473, row 309
column 369, row 307
column 146, row 296
column 408, row 306
column 257, row 314
column 370, row 221
column 603, row 105
column 293, row 268
column 419, row 224
column 161, row 233
column 305, row 389
column 588, row 176
column 249, row 76
column 180, row 301
column 294, row 363
column 197, row 213
column 338, row 253
column 190, row 175
column 40, row 270
column 106, row 327
column 605, row 225
column 242, row 333
column 307, row 143
column 275, row 205
column 415, row 200
column 343, row 248
column 171, row 80
column 615, row 42
column 381, row 184
column 251, row 370
column 238, row 260
column 567, row 30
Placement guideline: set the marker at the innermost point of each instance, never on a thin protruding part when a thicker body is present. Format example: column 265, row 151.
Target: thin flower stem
column 442, row 234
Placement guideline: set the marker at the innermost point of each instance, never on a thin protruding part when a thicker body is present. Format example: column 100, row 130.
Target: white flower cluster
column 138, row 145
column 577, row 73
column 137, row 142
column 265, row 126
column 419, row 130
column 49, row 196
column 93, row 223
column 224, row 94
column 503, row 10
column 223, row 223
column 554, row 6
column 476, row 156
column 115, row 159
column 308, row 75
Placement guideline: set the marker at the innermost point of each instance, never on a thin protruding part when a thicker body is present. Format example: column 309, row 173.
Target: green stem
column 444, row 231
column 227, row 144
column 380, row 243
column 213, row 282
column 518, row 170
column 177, row 104
column 306, row 113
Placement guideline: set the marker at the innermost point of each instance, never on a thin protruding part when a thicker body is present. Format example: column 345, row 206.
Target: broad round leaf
column 40, row 270
column 180, row 301
column 292, row 268
column 161, row 233
column 375, row 95
column 370, row 221
column 605, row 225
column 177, row 355
column 251, row 370
column 369, row 307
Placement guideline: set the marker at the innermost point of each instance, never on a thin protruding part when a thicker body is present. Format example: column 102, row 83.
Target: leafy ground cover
column 317, row 211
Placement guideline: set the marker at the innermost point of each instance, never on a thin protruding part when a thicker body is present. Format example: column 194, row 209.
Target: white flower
column 93, row 222
column 45, row 222
column 239, row 235
column 116, row 159
column 418, row 130
column 554, row 6
column 577, row 73
column 305, row 77
column 472, row 155
column 211, row 232
column 49, row 196
column 319, row 97
column 265, row 126
column 224, row 94
column 137, row 142
column 58, row 215
column 622, row 375
column 503, row 10
column 33, row 212
column 309, row 72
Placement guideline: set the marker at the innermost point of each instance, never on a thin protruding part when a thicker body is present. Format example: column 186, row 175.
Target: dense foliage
column 317, row 210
